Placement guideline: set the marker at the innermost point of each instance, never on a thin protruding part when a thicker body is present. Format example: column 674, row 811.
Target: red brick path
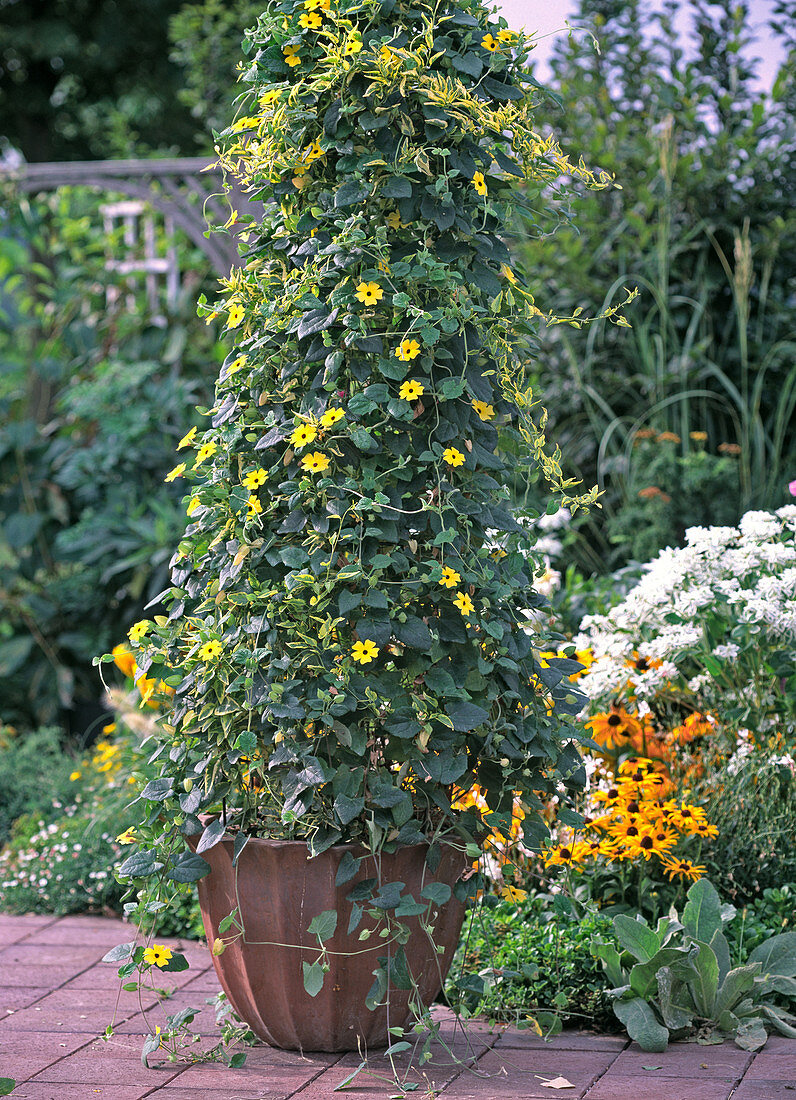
column 56, row 998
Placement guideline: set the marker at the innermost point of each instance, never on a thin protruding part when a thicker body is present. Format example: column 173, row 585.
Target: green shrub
column 535, row 963
column 23, row 762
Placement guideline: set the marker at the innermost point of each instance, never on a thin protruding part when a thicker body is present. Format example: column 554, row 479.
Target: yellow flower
column 369, row 293
column 315, row 463
column 292, row 59
column 314, row 5
column 124, row 660
column 235, row 315
column 394, row 220
column 193, row 504
column 236, row 364
column 486, row 412
column 255, row 479
column 453, row 457
column 411, row 390
column 506, row 36
column 479, row 183
column 303, row 434
column 364, row 652
column 464, row 603
column 407, row 350
column 353, row 45
column 74, row 776
column 245, row 123
column 387, row 55
column 331, row 416
column 157, row 955
column 311, row 21
column 207, row 450
column 489, row 43
column 450, row 578
column 698, row 437
column 127, row 837
column 187, row 439
column 513, row 893
column 254, row 506
column 267, row 99
column 138, row 630
column 210, row 650
column 178, row 471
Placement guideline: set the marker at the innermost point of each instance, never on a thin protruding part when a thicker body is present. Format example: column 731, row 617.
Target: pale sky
column 548, row 16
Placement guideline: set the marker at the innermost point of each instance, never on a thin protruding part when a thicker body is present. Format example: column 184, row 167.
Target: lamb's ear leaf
column 641, row 1025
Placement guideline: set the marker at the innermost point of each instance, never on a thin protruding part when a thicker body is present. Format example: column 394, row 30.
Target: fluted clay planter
column 278, row 892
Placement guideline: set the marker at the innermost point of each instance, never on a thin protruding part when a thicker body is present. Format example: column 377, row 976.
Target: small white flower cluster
column 707, row 611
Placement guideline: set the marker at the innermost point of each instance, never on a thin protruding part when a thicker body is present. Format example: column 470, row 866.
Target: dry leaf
column 557, row 1083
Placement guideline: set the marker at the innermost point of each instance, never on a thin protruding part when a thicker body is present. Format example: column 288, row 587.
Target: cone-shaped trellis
column 345, row 639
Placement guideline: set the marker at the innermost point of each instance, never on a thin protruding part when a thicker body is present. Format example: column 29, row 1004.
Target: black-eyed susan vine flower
column 157, row 955
column 207, row 450
column 311, row 21
column 255, row 478
column 291, row 55
column 489, row 43
column 453, row 456
column 315, row 463
column 369, row 293
column 331, row 417
column 138, row 630
column 485, row 411
column 187, row 439
column 407, row 350
column 479, row 183
column 211, row 650
column 464, row 604
column 303, row 434
column 364, row 652
column 235, row 315
column 194, row 504
column 411, row 390
column 450, row 578
column 127, row 837
column 253, row 506
column 175, row 472
column 394, row 220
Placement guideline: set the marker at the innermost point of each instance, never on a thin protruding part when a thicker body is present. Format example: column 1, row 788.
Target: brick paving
column 56, row 999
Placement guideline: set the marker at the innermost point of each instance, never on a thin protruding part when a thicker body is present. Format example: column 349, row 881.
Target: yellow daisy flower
column 479, row 183
column 489, row 43
column 315, row 463
column 352, row 46
column 207, row 450
column 411, row 390
column 187, row 439
column 176, row 472
column 236, row 364
column 331, row 416
column 364, row 652
column 369, row 293
column 407, row 350
column 311, row 21
column 210, row 650
column 157, row 955
column 453, row 456
column 513, row 893
column 255, row 479
column 303, row 434
column 254, row 506
column 138, row 630
column 464, row 603
column 235, row 315
column 450, row 578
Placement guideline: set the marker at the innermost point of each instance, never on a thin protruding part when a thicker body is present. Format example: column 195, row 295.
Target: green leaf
column 157, row 790
column 324, row 925
column 702, row 912
column 636, row 937
column 397, row 187
column 676, row 1015
column 188, row 867
column 704, row 985
column 751, row 1035
column 776, row 955
column 7, row 1085
column 439, row 893
column 641, row 1025
column 348, row 869
column 347, row 808
column 466, row 716
column 176, row 963
column 738, row 982
column 400, row 975
column 211, row 836
column 313, row 977
column 119, row 953
column 351, row 193
column 468, row 63
column 414, row 633
column 140, row 864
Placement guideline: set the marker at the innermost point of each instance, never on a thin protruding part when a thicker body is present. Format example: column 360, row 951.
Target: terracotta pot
column 278, row 891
